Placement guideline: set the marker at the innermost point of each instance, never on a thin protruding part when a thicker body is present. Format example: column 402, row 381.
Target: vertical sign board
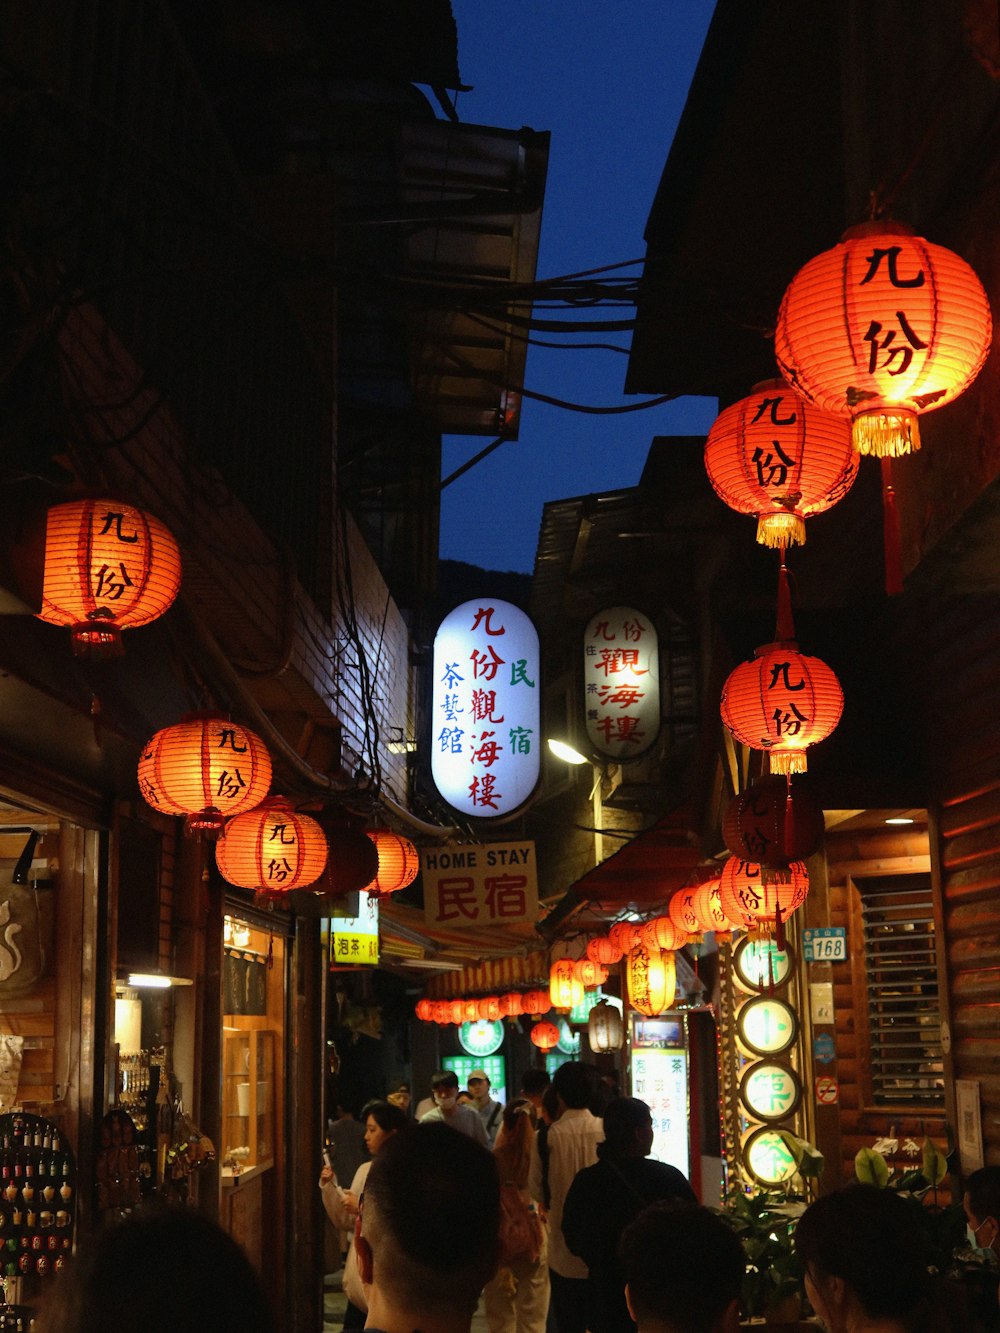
column 621, row 673
column 659, row 1078
column 485, row 712
column 354, row 939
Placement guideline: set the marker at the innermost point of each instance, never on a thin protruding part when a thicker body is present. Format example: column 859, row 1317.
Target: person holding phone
column 381, row 1122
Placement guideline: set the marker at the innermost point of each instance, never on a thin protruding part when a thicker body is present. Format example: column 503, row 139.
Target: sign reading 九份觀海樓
column 484, row 884
column 621, row 673
column 485, row 713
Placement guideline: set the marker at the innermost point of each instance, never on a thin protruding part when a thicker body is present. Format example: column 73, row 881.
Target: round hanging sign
column 770, row 1091
column 759, row 965
column 766, row 1026
column 482, row 1037
column 768, row 1157
column 569, row 1041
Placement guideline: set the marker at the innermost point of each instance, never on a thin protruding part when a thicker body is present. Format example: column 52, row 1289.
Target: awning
column 647, row 870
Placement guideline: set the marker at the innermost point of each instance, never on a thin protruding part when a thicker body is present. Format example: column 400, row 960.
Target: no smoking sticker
column 827, row 1092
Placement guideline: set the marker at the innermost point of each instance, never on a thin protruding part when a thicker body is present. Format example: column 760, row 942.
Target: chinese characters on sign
column 770, row 1091
column 768, row 1157
column 659, row 1078
column 485, row 713
column 355, row 939
column 621, row 672
column 492, row 884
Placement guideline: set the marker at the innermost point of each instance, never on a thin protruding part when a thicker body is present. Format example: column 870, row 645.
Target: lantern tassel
column 779, row 929
column 789, row 830
column 785, row 628
column 781, row 528
column 890, row 533
column 886, row 434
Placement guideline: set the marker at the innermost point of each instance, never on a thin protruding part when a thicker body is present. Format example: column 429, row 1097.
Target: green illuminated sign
column 766, row 1026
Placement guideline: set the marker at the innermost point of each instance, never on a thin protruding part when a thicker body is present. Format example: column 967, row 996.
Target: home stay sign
column 621, row 672
column 485, row 710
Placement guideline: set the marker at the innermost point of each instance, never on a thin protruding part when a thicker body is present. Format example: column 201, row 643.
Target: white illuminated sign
column 659, row 1078
column 621, row 673
column 485, row 714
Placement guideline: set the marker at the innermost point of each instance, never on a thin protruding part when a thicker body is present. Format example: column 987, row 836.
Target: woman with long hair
column 517, row 1298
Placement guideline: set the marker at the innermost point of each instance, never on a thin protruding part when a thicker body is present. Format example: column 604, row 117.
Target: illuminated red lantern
column 470, row 1011
column 661, row 933
column 626, row 935
column 754, row 897
column 488, row 1009
column 536, row 1002
column 603, row 950
column 545, row 1036
column 651, row 978
column 881, row 327
column 565, row 991
column 756, row 824
column 681, row 912
column 777, row 456
column 108, row 567
column 511, row 1005
column 272, row 848
column 457, row 1012
column 442, row 1012
column 206, row 768
column 424, row 1010
column 709, row 909
column 589, row 974
column 782, row 702
column 398, row 862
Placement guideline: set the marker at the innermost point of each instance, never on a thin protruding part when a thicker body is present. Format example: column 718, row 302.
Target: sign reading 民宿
column 621, row 673
column 485, row 713
column 484, row 884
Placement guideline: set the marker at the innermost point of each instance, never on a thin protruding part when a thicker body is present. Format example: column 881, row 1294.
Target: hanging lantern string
column 789, row 830
column 890, row 533
column 785, row 628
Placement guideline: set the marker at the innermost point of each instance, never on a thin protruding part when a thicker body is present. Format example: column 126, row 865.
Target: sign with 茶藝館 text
column 483, row 884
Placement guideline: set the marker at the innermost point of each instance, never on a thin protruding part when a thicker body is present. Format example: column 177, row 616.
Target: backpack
column 520, row 1228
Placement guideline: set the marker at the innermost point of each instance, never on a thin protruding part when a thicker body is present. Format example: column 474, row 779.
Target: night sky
column 609, row 82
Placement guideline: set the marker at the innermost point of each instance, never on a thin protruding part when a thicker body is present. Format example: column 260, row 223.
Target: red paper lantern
column 108, row 567
column 589, row 974
column 565, row 991
column 206, row 768
column 424, row 1010
column 545, row 1036
column 880, row 328
column 511, row 1005
column 536, row 1002
column 756, row 824
column 626, row 935
column 661, row 933
column 457, row 1012
column 442, row 1012
column 398, row 862
column 470, row 1011
column 651, row 979
column 681, row 912
column 603, row 950
column 752, row 897
column 777, row 456
column 272, row 848
column 708, row 906
column 782, row 702
column 353, row 859
column 488, row 1008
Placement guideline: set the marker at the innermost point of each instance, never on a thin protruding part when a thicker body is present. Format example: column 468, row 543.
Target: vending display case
column 247, row 1101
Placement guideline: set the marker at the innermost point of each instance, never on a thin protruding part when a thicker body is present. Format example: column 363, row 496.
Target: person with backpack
column 488, row 1110
column 517, row 1297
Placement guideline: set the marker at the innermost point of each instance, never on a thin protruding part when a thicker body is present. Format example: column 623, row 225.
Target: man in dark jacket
column 605, row 1198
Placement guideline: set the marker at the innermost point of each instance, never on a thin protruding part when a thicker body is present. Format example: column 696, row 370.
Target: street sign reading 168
column 824, row 944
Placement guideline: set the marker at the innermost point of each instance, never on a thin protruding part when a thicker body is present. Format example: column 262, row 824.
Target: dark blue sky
column 608, row 80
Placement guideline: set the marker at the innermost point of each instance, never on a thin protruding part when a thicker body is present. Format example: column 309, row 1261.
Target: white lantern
column 604, row 1028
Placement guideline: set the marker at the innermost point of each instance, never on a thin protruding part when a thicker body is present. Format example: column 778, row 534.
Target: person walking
column 517, row 1298
column 448, row 1109
column 603, row 1199
column 382, row 1122
column 478, row 1084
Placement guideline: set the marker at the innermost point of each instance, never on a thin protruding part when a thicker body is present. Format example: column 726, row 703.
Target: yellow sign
column 354, row 939
column 768, row 1158
column 353, row 948
column 766, row 1026
column 770, row 1091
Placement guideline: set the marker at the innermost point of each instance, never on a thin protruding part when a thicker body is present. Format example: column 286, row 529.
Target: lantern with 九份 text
column 488, row 1008
column 625, row 935
column 775, row 455
column 565, row 991
column 398, row 862
column 604, row 1028
column 650, row 974
column 589, row 974
column 681, row 912
column 708, row 906
column 536, row 1002
column 108, row 567
column 206, row 768
column 757, row 898
column 603, row 950
column 660, row 932
column 511, row 1005
column 774, row 822
column 545, row 1036
column 271, row 848
column 782, row 702
column 880, row 328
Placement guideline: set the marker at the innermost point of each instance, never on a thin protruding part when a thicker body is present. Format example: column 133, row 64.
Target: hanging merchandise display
column 781, row 458
column 273, row 849
column 206, row 768
column 108, row 567
column 880, row 328
column 398, row 862
column 651, row 979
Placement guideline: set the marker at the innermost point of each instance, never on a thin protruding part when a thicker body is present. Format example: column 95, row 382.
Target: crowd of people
column 565, row 1225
